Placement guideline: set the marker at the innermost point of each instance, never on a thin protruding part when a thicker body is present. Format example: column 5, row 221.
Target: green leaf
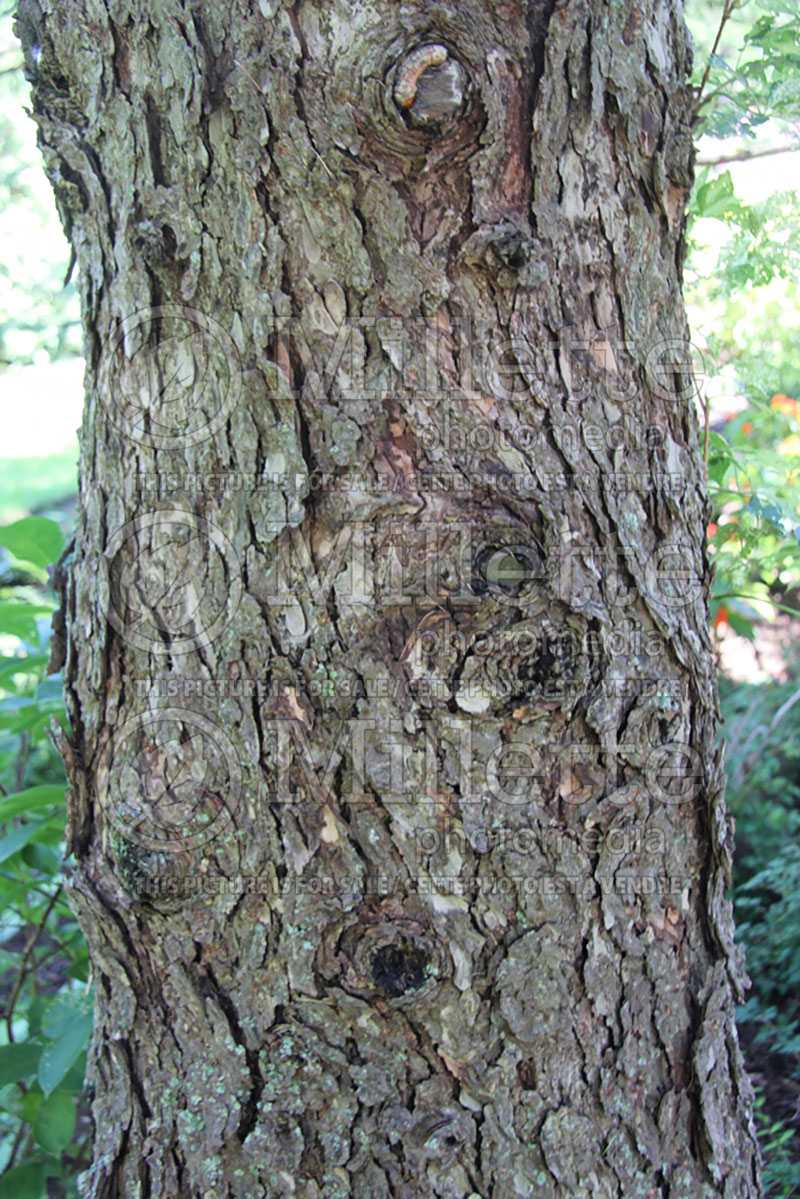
column 718, row 469
column 50, row 691
column 31, row 717
column 79, row 970
column 31, row 800
column 18, row 617
column 719, row 443
column 30, row 665
column 59, row 1056
column 19, row 837
column 11, row 893
column 42, row 858
column 19, row 1061
column 76, row 1075
column 33, row 539
column 55, row 1122
column 36, row 1010
column 771, row 512
column 715, row 198
column 26, row 1182
column 63, row 1010
column 741, row 625
column 31, row 1104
column 12, row 1098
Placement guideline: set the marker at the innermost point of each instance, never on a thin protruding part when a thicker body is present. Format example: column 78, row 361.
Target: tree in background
column 395, row 801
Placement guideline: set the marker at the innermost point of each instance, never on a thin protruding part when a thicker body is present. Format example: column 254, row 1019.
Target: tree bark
column 400, row 842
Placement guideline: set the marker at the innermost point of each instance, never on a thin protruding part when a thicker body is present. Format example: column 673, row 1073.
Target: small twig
column 746, row 155
column 722, row 90
column 727, row 9
column 12, row 1157
column 249, row 76
column 742, row 722
column 38, row 887
column 782, row 710
column 26, row 955
column 28, row 1141
column 762, row 731
column 22, row 759
column 765, row 599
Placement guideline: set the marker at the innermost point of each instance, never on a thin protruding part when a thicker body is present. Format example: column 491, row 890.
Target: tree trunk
column 397, row 816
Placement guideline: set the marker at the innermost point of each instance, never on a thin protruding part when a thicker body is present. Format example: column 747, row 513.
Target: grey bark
column 400, row 842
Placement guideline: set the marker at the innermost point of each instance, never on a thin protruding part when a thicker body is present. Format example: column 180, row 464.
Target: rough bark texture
column 398, row 820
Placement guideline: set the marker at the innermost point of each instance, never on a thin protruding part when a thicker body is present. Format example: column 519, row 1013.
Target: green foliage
column 742, row 266
column 762, row 732
column 33, row 540
column 761, row 242
column 758, row 83
column 768, row 904
column 754, row 534
column 741, row 289
column 775, row 1138
column 47, row 1007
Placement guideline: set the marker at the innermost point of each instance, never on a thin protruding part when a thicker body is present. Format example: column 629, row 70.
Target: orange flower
column 784, row 404
column 747, row 427
column 721, row 617
column 712, row 528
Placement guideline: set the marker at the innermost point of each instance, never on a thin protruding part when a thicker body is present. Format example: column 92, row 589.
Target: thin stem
column 782, row 710
column 746, row 155
column 722, row 90
column 40, row 888
column 22, row 759
column 727, row 9
column 764, row 599
column 26, row 956
column 12, row 1158
column 249, row 76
